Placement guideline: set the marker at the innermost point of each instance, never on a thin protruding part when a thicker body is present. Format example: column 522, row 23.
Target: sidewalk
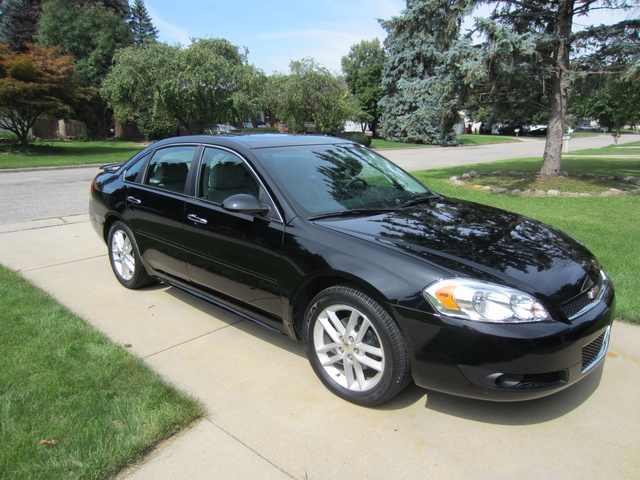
column 268, row 417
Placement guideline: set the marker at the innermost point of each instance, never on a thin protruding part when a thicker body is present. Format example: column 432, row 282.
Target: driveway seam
column 191, row 339
column 251, row 449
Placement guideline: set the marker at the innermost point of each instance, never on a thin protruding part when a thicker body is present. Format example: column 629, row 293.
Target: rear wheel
column 125, row 258
column 355, row 347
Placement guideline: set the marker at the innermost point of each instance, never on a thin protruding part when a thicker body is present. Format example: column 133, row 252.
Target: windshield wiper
column 353, row 213
column 423, row 197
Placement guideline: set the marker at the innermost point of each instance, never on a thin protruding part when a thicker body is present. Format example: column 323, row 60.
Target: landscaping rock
column 540, row 193
column 554, row 193
column 500, row 190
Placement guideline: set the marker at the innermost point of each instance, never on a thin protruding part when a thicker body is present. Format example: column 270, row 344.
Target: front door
column 234, row 256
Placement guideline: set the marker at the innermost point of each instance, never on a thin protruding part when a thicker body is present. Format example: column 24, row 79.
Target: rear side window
column 169, row 167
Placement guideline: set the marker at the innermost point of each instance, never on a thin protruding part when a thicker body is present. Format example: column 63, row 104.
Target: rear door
column 156, row 206
column 233, row 256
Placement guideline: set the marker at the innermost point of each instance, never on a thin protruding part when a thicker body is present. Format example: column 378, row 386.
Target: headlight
column 484, row 302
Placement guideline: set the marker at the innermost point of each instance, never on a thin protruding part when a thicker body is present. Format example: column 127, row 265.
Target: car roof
column 258, row 140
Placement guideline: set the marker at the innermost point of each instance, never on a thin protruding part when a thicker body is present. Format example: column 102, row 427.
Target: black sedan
column 384, row 280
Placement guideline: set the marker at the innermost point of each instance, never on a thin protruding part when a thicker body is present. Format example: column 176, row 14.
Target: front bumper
column 505, row 362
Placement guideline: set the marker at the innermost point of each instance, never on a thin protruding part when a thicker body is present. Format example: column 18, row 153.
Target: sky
column 276, row 32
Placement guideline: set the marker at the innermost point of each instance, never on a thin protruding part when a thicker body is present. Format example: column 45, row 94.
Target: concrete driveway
column 269, row 417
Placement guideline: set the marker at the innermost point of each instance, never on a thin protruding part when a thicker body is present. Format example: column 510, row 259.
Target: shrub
column 260, row 130
column 359, row 137
column 156, row 128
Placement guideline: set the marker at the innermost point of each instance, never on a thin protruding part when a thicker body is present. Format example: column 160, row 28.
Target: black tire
column 125, row 257
column 355, row 347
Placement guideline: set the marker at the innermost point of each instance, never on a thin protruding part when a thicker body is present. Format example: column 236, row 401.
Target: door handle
column 197, row 219
column 134, row 200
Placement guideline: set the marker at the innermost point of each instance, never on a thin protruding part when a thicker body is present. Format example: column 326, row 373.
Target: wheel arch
column 315, row 285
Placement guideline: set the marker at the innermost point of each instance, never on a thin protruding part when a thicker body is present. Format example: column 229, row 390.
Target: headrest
column 226, row 175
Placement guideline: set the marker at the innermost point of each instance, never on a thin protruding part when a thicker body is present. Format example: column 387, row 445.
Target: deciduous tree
column 39, row 83
column 310, row 93
column 363, row 69
column 205, row 83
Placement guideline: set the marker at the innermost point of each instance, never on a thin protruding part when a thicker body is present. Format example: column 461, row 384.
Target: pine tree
column 423, row 80
column 141, row 26
column 19, row 22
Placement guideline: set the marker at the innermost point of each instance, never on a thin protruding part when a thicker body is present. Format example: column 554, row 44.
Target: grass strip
column 53, row 154
column 61, row 381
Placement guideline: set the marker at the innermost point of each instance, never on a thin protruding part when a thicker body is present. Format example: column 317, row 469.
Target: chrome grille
column 591, row 292
column 576, row 304
column 594, row 351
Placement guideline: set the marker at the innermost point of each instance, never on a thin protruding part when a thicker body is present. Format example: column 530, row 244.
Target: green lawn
column 66, row 154
column 622, row 149
column 464, row 140
column 63, row 382
column 485, row 139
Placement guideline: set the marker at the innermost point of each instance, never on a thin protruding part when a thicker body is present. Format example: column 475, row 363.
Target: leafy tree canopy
column 310, row 93
column 363, row 68
column 205, row 83
column 41, row 82
column 90, row 31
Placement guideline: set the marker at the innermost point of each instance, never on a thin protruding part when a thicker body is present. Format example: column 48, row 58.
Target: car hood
column 469, row 239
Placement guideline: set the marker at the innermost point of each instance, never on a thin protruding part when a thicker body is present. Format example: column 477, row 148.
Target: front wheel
column 355, row 347
column 125, row 258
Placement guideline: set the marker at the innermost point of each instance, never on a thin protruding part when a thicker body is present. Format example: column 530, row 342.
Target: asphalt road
column 36, row 194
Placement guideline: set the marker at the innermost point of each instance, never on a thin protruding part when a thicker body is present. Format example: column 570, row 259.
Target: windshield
column 323, row 179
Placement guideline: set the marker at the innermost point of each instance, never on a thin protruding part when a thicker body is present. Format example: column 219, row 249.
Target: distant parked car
column 588, row 128
column 222, row 128
column 383, row 279
column 537, row 130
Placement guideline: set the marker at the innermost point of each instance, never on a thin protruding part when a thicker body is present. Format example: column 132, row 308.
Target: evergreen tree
column 423, row 77
column 19, row 22
column 529, row 51
column 141, row 25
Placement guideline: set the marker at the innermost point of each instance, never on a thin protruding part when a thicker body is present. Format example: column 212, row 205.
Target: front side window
column 169, row 167
column 223, row 174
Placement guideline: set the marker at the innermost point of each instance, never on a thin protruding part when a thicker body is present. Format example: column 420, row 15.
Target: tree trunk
column 552, row 159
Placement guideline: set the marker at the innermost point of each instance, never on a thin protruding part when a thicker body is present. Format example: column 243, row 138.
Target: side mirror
column 244, row 203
